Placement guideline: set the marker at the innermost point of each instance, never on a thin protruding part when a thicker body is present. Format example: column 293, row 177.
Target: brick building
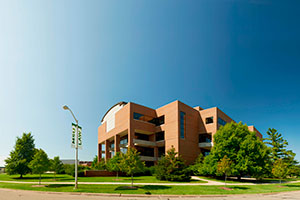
column 153, row 131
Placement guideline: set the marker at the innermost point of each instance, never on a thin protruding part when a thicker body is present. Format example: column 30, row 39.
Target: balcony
column 205, row 144
column 148, row 158
column 143, row 143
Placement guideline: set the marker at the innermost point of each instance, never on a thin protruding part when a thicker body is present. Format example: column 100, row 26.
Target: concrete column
column 156, row 154
column 107, row 153
column 117, row 144
column 99, row 152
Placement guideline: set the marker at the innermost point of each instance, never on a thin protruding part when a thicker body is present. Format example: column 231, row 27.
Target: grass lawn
column 155, row 189
column 68, row 178
column 232, row 180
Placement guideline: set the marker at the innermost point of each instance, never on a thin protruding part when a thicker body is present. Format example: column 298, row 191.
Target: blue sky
column 242, row 56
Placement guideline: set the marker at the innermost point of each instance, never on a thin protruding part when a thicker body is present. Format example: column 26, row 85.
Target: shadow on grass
column 145, row 187
column 155, row 187
column 292, row 186
column 33, row 177
column 59, row 185
column 239, row 187
column 127, row 188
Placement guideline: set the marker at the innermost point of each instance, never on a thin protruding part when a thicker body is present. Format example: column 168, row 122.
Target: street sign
column 73, row 142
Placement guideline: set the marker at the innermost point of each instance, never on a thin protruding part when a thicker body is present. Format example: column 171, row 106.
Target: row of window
column 210, row 120
column 157, row 121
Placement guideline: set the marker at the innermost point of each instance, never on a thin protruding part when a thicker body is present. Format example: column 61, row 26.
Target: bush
column 172, row 168
column 147, row 171
column 70, row 170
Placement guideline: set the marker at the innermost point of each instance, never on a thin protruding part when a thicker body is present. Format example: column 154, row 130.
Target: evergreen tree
column 20, row 157
column 172, row 168
column 278, row 150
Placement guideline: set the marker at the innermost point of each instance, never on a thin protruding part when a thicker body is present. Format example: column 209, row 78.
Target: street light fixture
column 65, row 107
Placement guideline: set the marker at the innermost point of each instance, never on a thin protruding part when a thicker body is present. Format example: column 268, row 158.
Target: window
column 124, row 141
column 140, row 136
column 182, row 124
column 154, row 120
column 204, row 138
column 161, row 151
column 123, row 150
column 209, row 120
column 221, row 121
column 160, row 136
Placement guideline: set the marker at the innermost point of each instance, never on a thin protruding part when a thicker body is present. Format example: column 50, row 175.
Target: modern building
column 153, row 131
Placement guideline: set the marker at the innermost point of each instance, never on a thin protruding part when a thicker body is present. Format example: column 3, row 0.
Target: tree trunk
column 131, row 180
column 117, row 174
column 280, row 181
column 40, row 180
column 239, row 177
column 225, row 179
column 21, row 176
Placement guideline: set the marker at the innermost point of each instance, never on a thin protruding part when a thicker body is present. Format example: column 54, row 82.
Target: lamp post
column 76, row 147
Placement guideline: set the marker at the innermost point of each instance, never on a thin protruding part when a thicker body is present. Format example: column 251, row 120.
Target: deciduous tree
column 249, row 155
column 131, row 163
column 56, row 166
column 40, row 163
column 224, row 167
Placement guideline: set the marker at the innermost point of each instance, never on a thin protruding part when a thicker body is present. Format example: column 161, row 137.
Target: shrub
column 172, row 168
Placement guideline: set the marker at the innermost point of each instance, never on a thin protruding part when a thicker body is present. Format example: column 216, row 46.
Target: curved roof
column 117, row 104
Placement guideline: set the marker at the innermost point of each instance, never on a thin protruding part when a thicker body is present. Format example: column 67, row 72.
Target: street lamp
column 65, row 107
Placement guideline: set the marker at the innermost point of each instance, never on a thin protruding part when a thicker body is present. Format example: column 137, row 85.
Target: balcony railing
column 143, row 142
column 205, row 144
column 148, row 158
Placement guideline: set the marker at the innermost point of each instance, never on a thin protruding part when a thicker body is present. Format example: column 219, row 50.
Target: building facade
column 152, row 132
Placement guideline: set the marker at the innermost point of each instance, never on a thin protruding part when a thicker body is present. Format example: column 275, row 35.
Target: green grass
column 68, row 178
column 231, row 180
column 158, row 189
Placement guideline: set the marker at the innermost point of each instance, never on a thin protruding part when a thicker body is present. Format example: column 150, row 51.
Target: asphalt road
column 7, row 194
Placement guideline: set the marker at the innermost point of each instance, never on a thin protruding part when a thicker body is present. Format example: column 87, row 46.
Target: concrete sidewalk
column 9, row 194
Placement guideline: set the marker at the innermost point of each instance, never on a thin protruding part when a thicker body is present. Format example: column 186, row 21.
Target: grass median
column 68, row 178
column 157, row 189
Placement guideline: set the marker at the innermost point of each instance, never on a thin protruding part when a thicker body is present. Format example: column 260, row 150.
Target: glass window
column 141, row 136
column 160, row 136
column 124, row 141
column 221, row 121
column 182, row 124
column 204, row 138
column 123, row 150
column 137, row 116
column 209, row 120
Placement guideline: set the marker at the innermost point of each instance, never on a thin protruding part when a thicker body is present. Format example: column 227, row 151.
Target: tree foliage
column 56, row 165
column 278, row 151
column 115, row 163
column 131, row 163
column 21, row 156
column 280, row 169
column 224, row 167
column 101, row 165
column 249, row 155
column 172, row 168
column 40, row 163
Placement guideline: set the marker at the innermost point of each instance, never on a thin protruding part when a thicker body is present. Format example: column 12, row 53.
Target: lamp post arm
column 73, row 116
